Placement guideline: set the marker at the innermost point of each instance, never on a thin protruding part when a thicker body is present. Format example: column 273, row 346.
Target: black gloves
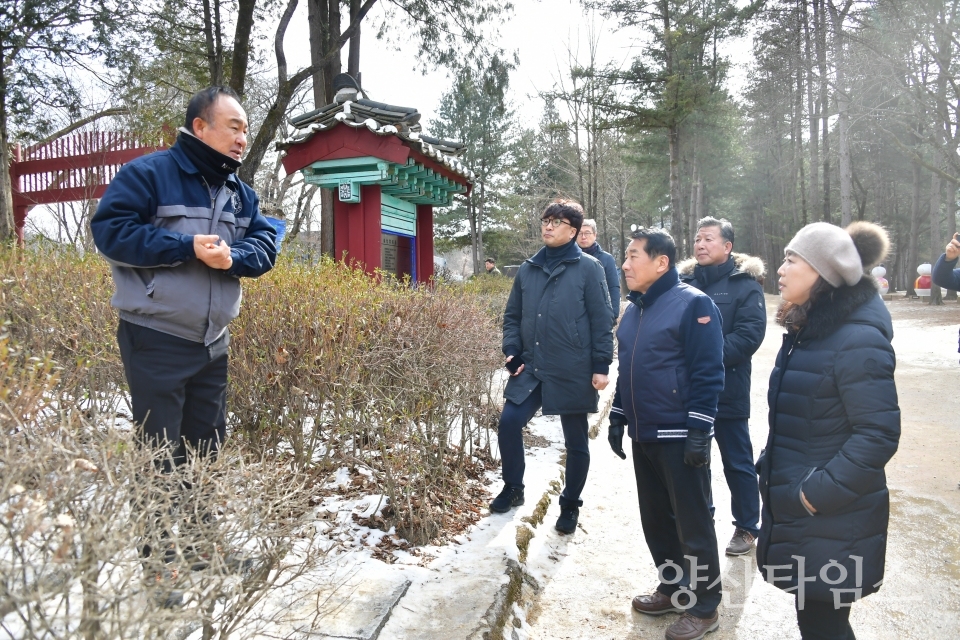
column 615, row 435
column 696, row 452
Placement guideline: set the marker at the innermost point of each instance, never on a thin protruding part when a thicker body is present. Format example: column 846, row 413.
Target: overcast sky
column 541, row 32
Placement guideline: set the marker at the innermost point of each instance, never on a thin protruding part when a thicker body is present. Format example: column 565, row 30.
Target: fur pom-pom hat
column 841, row 256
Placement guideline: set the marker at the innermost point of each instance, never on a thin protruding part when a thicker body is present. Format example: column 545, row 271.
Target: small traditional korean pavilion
column 387, row 178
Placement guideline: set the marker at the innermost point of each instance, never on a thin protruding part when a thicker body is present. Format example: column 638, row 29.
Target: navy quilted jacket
column 834, row 424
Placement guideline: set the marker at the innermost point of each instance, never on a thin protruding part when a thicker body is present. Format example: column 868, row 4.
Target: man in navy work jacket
column 670, row 378
column 587, row 241
column 558, row 340
column 730, row 279
column 179, row 231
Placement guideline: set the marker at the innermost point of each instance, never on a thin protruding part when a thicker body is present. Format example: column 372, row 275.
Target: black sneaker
column 567, row 522
column 510, row 497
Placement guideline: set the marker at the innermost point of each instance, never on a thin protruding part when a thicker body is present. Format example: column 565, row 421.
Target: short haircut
column 726, row 229
column 658, row 243
column 201, row 104
column 491, row 261
column 590, row 222
column 568, row 210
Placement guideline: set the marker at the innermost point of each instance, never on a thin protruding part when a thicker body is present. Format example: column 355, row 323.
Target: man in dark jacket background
column 945, row 273
column 731, row 282
column 558, row 344
column 179, row 231
column 587, row 241
column 670, row 377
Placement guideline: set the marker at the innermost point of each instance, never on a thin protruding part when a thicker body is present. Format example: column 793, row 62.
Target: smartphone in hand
column 514, row 364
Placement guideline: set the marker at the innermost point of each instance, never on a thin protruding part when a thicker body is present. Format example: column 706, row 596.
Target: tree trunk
column 813, row 115
column 910, row 269
column 824, row 103
column 676, row 205
column 843, row 120
column 951, row 225
column 211, row 33
column 241, row 45
column 8, row 230
column 353, row 60
column 936, row 241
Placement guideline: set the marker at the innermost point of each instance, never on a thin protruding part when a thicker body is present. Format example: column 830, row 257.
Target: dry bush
column 328, row 366
column 339, row 367
column 78, row 498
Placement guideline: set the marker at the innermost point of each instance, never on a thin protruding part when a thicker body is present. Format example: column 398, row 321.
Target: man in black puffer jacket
column 945, row 272
column 558, row 340
column 731, row 281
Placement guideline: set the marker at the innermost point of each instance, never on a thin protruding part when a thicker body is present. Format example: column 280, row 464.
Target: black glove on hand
column 696, row 452
column 615, row 436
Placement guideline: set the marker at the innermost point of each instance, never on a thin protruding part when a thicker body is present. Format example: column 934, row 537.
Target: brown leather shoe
column 690, row 627
column 657, row 604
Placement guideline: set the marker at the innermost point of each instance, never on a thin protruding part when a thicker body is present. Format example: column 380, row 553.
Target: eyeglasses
column 587, row 232
column 553, row 222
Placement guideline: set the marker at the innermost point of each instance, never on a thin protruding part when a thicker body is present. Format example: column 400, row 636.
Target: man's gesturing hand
column 211, row 252
column 953, row 248
column 696, row 451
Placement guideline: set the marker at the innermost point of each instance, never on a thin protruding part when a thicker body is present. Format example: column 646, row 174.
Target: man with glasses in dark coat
column 558, row 343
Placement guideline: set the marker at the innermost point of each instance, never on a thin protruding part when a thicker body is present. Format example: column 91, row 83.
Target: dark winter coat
column 670, row 362
column 945, row 274
column 144, row 227
column 559, row 322
column 734, row 288
column 834, row 424
column 613, row 276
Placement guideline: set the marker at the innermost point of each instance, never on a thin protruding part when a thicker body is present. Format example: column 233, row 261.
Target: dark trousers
column 178, row 388
column 677, row 525
column 736, row 452
column 821, row 621
column 575, row 438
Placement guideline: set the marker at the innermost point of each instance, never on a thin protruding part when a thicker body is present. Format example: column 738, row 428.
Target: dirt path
column 594, row 574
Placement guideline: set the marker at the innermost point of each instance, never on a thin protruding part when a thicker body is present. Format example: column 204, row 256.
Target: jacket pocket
column 190, row 221
column 785, row 503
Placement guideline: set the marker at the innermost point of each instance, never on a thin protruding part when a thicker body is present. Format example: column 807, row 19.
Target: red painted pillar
column 357, row 229
column 372, row 226
column 424, row 242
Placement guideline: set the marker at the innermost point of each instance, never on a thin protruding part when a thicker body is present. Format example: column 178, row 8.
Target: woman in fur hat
column 834, row 424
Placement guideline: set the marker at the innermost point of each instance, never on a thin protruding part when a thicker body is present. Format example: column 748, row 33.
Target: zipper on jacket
column 633, row 355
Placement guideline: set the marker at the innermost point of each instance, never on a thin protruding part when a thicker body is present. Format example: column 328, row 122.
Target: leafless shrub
column 79, row 499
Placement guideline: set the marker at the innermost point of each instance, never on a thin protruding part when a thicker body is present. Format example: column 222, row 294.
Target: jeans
column 677, row 525
column 736, row 452
column 575, row 438
column 821, row 621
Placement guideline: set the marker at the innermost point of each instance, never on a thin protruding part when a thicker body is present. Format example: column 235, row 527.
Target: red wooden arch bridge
column 71, row 168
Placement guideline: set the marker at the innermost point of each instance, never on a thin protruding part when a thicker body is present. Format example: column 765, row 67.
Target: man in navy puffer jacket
column 179, row 231
column 670, row 378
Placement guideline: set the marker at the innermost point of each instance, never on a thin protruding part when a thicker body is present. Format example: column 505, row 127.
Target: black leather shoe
column 567, row 522
column 510, row 497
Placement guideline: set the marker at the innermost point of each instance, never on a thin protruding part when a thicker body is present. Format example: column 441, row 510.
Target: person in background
column 945, row 273
column 670, row 377
column 587, row 240
column 490, row 265
column 834, row 425
column 730, row 279
column 558, row 343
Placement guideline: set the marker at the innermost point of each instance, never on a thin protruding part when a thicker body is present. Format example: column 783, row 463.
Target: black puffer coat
column 834, row 424
column 560, row 322
column 734, row 288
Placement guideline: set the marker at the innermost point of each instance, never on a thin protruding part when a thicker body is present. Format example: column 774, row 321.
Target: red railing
column 71, row 168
